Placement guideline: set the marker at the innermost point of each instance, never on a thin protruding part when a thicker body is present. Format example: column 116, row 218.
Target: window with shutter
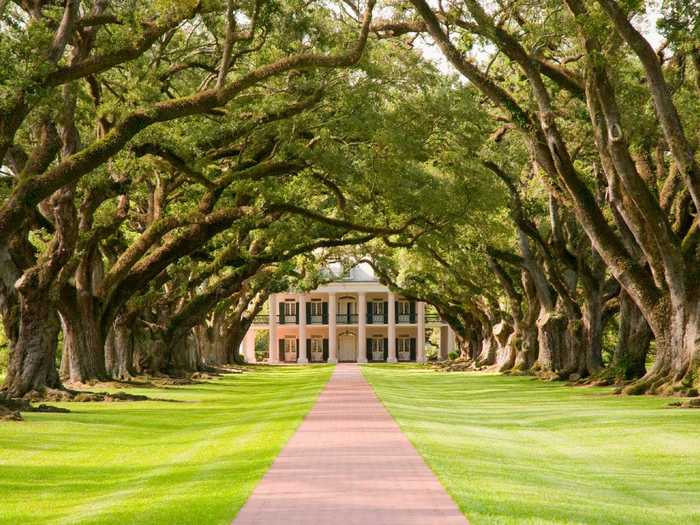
column 403, row 312
column 290, row 312
column 316, row 312
column 378, row 312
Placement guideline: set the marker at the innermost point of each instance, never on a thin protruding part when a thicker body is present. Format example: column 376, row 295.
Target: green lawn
column 154, row 462
column 513, row 450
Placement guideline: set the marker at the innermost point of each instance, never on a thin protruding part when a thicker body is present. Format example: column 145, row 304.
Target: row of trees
column 167, row 165
column 596, row 155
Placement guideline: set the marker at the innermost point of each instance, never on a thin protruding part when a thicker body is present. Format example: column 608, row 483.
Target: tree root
column 661, row 384
column 690, row 403
column 454, row 365
column 11, row 408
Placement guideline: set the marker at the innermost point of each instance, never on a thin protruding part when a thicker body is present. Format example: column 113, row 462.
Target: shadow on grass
column 155, row 462
column 515, row 450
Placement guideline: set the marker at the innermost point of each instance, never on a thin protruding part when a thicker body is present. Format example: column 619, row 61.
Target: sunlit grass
column 514, row 450
column 153, row 462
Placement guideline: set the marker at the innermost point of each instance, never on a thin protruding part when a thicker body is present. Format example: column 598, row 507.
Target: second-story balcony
column 346, row 318
column 377, row 319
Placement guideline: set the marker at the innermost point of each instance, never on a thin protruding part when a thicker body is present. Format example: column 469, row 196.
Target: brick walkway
column 349, row 464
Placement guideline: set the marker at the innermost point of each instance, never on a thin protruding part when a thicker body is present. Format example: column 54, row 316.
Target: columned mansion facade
column 356, row 319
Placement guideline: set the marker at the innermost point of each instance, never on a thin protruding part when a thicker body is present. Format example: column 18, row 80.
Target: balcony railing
column 263, row 319
column 377, row 319
column 346, row 318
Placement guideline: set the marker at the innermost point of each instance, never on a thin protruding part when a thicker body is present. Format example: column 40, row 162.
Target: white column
column 392, row 329
column 361, row 327
column 332, row 335
column 273, row 348
column 301, row 355
column 450, row 340
column 249, row 346
column 420, row 332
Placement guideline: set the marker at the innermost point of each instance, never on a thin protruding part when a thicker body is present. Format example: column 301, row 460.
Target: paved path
column 349, row 464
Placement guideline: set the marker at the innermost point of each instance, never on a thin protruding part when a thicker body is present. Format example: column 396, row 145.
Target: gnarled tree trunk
column 528, row 351
column 634, row 337
column 677, row 364
column 507, row 339
column 84, row 345
column 551, row 340
column 32, row 363
column 122, row 337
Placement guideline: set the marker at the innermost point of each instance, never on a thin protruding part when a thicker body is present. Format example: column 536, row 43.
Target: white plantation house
column 352, row 319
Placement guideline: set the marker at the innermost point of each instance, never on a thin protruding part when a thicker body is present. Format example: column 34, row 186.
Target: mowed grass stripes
column 154, row 462
column 515, row 450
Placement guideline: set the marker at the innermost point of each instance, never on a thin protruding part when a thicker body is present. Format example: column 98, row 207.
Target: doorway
column 347, row 349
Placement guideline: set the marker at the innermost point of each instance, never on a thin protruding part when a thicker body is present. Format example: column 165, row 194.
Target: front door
column 290, row 350
column 346, row 348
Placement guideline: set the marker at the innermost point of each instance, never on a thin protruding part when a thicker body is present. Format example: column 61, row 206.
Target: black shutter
column 298, row 349
column 296, row 320
column 281, row 350
column 386, row 312
column 396, row 311
column 413, row 348
column 325, row 349
column 369, row 312
column 413, row 312
column 308, row 313
column 325, row 313
column 369, row 349
column 281, row 313
column 386, row 349
column 308, row 350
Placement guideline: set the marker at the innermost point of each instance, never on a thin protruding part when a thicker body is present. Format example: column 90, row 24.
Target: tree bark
column 528, row 352
column 84, row 343
column 508, row 339
column 634, row 336
column 591, row 357
column 32, row 365
column 551, row 340
column 677, row 364
column 122, row 336
column 32, row 362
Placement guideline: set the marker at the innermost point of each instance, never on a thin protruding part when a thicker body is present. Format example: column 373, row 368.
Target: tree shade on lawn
column 153, row 462
column 513, row 450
